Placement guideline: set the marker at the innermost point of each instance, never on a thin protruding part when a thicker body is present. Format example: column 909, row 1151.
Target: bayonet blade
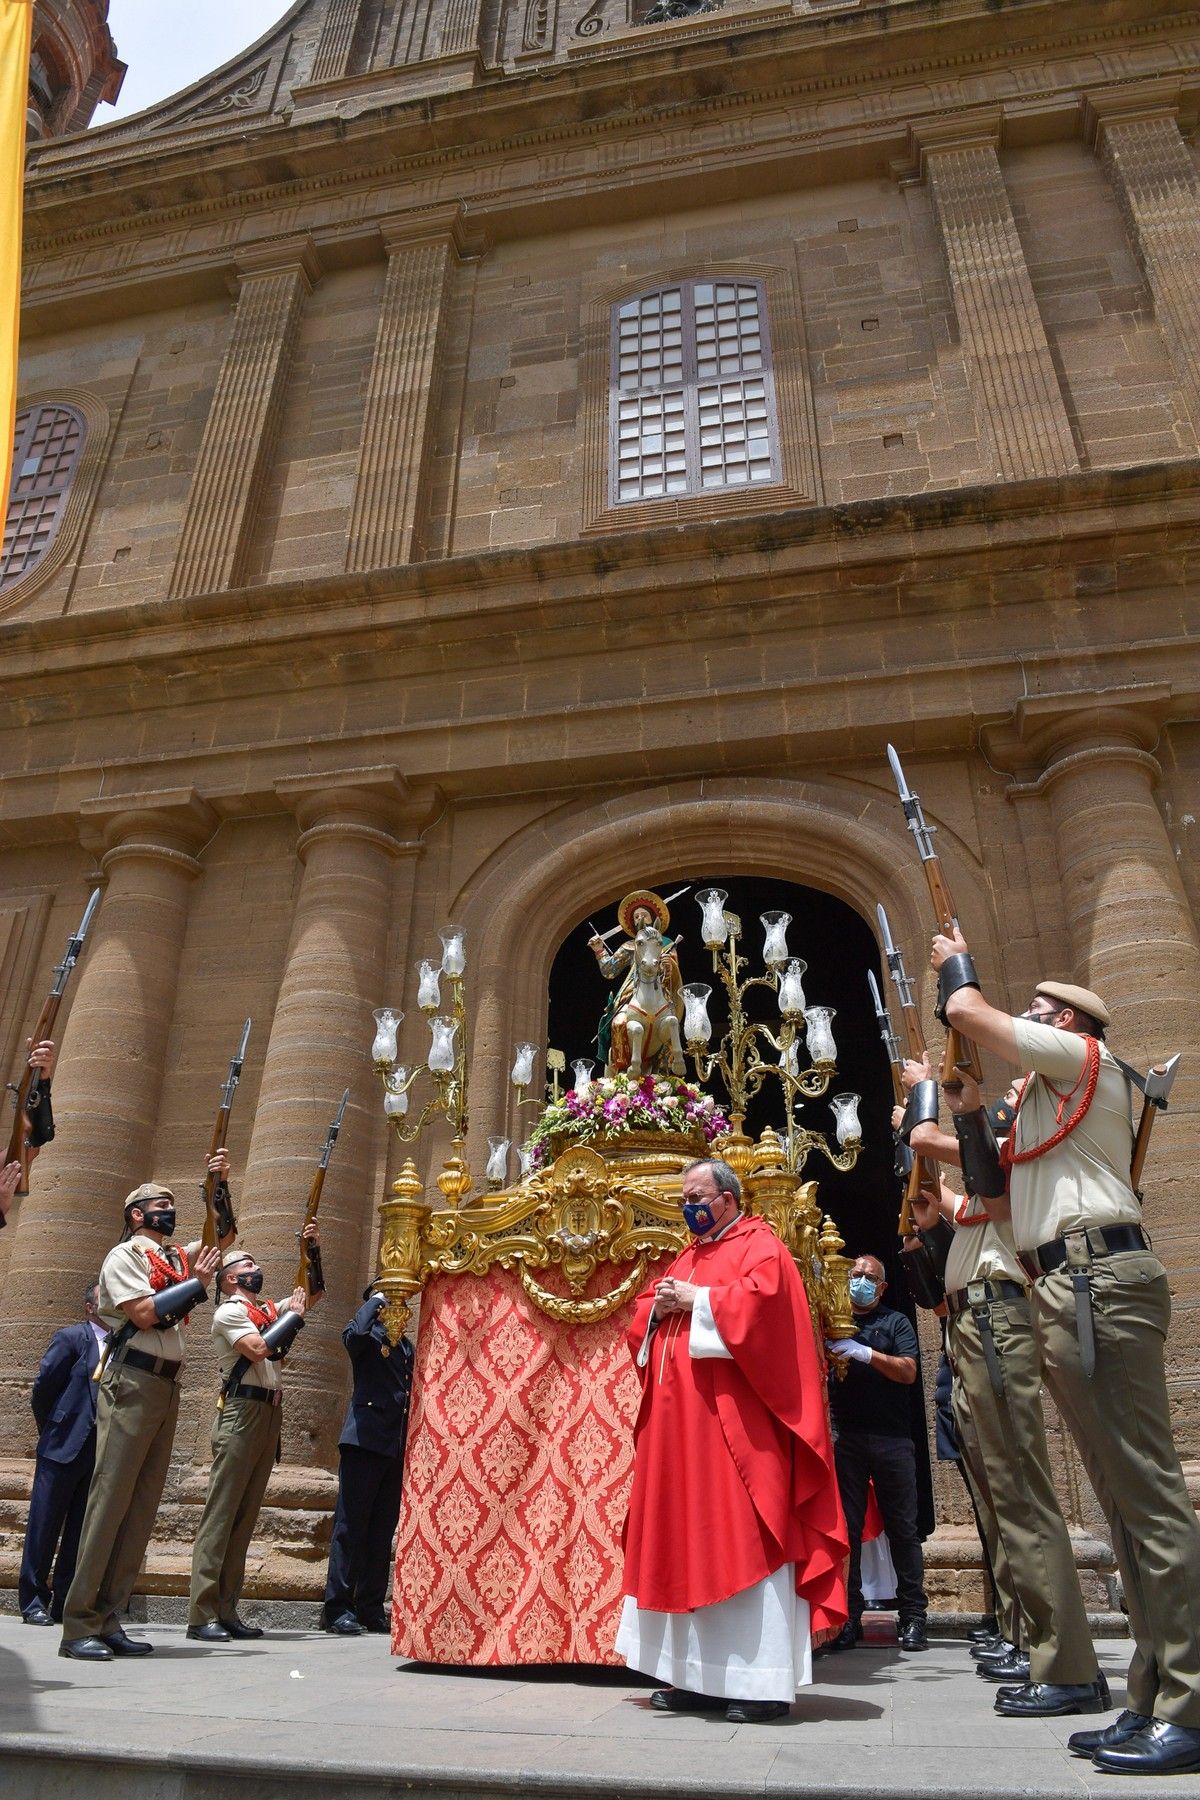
column 902, row 786
column 876, row 998
column 885, row 931
column 331, row 1136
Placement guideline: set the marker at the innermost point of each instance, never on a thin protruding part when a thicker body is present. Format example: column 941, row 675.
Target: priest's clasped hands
column 672, row 1296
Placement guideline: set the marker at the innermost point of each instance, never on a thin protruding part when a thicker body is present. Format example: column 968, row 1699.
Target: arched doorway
column 839, row 948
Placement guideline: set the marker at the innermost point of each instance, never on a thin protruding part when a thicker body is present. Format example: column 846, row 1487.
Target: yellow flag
column 16, row 32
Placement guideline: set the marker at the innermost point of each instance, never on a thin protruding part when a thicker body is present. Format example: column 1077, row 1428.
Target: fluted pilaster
column 243, row 419
column 1009, row 366
column 386, row 512
column 336, row 41
column 1154, row 177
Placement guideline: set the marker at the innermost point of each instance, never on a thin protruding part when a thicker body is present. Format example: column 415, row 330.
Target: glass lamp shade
column 789, row 1062
column 395, row 1098
column 522, row 1069
column 454, row 957
column 497, row 1162
column 791, row 988
column 697, row 1026
column 441, row 1050
column 429, row 993
column 583, row 1077
column 821, row 1046
column 525, row 1158
column 775, row 949
column 845, row 1115
column 713, row 929
column 383, row 1048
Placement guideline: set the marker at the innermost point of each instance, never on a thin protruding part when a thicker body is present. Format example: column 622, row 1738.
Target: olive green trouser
column 1121, row 1424
column 1008, row 1613
column 135, row 1429
column 1012, row 1443
column 245, row 1438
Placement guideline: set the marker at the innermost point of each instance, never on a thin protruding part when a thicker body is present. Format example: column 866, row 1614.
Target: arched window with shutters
column 692, row 397
column 49, row 444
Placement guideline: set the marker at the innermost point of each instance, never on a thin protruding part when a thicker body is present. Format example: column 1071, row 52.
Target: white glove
column 851, row 1349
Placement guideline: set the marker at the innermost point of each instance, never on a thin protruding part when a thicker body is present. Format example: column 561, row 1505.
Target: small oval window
column 46, row 451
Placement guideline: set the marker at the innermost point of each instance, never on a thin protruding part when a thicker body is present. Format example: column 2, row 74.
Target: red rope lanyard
column 266, row 1314
column 1087, row 1078
column 163, row 1272
column 960, row 1213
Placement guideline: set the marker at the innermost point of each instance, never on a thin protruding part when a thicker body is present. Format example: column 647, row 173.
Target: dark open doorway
column 839, row 948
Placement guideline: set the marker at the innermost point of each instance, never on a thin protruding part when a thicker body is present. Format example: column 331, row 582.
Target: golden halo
column 652, row 903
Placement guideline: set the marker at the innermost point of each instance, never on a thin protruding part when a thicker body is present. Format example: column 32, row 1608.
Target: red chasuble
column 733, row 1461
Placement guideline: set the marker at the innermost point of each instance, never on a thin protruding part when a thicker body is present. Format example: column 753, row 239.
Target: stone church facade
column 484, row 455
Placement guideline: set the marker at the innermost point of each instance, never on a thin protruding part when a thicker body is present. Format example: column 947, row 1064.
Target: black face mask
column 251, row 1281
column 160, row 1218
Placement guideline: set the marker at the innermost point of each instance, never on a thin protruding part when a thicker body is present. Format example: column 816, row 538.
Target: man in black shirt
column 873, row 1442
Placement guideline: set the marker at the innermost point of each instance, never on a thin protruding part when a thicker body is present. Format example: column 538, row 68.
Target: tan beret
column 1082, row 999
column 235, row 1256
column 149, row 1190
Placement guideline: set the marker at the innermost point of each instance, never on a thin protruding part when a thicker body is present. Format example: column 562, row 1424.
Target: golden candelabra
column 445, row 1063
column 738, row 1057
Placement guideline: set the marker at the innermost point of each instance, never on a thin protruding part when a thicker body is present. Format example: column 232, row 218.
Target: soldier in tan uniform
column 994, row 1353
column 1101, row 1309
column 146, row 1289
column 251, row 1339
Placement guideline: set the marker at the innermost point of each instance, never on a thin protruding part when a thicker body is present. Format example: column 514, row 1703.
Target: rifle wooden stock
column 210, row 1235
column 18, row 1142
column 309, row 1274
column 924, row 1172
column 960, row 1055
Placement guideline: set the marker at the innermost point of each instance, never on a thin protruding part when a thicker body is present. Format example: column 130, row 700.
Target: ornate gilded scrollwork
column 586, row 1212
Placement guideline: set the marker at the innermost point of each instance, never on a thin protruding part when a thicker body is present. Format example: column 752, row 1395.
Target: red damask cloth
column 516, row 1480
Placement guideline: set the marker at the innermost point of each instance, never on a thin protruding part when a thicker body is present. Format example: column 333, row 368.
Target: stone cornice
column 399, row 142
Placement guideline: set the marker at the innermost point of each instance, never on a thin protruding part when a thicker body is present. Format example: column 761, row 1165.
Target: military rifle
column 961, row 1054
column 219, row 1221
column 310, row 1275
column 922, row 1171
column 28, row 1090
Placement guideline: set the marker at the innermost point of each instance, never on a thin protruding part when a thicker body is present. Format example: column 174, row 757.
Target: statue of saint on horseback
column 640, row 1031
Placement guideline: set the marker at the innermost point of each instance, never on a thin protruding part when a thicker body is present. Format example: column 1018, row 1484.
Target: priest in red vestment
column 735, row 1543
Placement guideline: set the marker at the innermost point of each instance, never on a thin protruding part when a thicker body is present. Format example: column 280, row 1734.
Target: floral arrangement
column 615, row 1104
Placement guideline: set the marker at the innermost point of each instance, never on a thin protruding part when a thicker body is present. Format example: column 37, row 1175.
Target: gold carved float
column 608, row 1206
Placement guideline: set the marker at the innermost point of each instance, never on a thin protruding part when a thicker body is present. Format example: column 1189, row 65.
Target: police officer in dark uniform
column 64, row 1404
column 370, row 1474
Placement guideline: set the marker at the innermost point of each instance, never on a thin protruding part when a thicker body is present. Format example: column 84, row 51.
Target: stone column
column 274, row 280
column 1136, row 133
column 336, row 972
column 400, row 413
column 106, row 1096
column 1009, row 366
column 1133, row 937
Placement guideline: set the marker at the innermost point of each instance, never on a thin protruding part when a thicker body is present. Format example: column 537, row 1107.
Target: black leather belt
column 268, row 1396
column 978, row 1291
column 162, row 1366
column 1102, row 1240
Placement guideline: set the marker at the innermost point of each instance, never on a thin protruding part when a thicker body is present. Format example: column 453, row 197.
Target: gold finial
column 408, row 1184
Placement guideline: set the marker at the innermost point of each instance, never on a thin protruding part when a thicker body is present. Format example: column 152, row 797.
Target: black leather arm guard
column 280, row 1336
column 925, row 1265
column 174, row 1303
column 41, row 1117
column 956, row 972
column 980, row 1155
column 922, row 1108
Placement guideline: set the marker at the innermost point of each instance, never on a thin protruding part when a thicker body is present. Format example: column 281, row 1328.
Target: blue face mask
column 862, row 1290
column 698, row 1216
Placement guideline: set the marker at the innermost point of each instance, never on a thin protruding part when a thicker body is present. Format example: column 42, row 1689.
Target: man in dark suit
column 370, row 1474
column 64, row 1404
